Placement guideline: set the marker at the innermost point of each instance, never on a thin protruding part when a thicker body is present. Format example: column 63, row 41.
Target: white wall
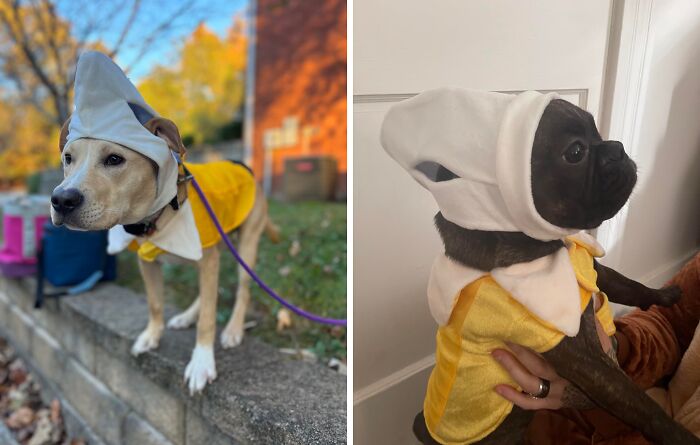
column 661, row 229
column 402, row 47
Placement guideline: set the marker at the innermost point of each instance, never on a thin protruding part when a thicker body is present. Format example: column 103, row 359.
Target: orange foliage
column 204, row 89
column 301, row 72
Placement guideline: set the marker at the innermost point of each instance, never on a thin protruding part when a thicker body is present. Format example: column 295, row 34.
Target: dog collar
column 149, row 227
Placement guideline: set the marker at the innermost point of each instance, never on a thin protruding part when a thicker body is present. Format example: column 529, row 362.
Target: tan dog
column 106, row 184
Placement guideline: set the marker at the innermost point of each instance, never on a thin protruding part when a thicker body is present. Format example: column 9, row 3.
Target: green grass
column 314, row 279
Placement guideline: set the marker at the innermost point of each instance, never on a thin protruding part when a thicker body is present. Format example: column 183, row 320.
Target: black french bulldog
column 578, row 181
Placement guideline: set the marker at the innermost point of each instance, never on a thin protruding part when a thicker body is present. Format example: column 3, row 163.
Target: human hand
column 528, row 369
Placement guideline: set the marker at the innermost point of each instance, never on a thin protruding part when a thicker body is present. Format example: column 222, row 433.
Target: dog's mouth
column 616, row 188
column 66, row 220
column 57, row 219
column 84, row 222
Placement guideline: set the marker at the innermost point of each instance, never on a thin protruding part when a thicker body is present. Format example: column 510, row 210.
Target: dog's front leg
column 581, row 361
column 153, row 280
column 252, row 229
column 623, row 290
column 202, row 367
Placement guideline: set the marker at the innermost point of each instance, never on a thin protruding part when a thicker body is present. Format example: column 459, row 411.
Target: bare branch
column 22, row 41
column 51, row 35
column 127, row 28
column 29, row 96
column 161, row 28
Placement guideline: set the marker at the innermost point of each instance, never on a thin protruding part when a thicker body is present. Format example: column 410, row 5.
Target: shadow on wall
column 663, row 224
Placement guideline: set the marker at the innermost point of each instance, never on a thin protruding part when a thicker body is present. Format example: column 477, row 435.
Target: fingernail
column 498, row 390
column 497, row 354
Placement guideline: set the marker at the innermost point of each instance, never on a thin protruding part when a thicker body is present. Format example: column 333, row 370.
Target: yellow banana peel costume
column 461, row 406
column 230, row 189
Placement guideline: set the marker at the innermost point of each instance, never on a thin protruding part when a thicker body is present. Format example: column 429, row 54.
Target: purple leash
column 254, row 276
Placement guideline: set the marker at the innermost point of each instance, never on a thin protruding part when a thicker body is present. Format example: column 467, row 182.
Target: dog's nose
column 610, row 151
column 65, row 201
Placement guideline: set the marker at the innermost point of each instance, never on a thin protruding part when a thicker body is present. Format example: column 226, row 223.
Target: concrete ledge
column 80, row 346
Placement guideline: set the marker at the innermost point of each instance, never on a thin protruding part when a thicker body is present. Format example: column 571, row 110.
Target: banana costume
column 485, row 141
column 460, row 404
column 230, row 189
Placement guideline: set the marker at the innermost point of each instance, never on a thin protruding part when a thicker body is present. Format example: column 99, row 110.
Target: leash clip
column 188, row 176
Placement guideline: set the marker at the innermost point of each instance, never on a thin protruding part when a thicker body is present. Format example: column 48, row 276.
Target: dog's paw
column 181, row 321
column 231, row 337
column 201, row 369
column 146, row 341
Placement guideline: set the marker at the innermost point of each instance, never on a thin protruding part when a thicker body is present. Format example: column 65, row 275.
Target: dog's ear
column 167, row 130
column 63, row 137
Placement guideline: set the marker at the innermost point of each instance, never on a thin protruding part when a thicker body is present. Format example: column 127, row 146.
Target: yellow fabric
column 230, row 190
column 461, row 406
column 149, row 251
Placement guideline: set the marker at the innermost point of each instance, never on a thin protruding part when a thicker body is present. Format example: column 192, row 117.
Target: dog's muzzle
column 64, row 201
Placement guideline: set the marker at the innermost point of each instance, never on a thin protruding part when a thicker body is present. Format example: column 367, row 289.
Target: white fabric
column 102, row 95
column 118, row 239
column 178, row 237
column 485, row 139
column 547, row 286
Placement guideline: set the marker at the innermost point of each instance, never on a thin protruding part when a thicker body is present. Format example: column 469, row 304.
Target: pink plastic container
column 22, row 222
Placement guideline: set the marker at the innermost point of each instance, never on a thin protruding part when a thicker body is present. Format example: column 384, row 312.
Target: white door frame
column 626, row 96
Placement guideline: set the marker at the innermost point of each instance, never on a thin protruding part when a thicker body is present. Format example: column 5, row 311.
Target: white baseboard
column 383, row 411
column 393, row 379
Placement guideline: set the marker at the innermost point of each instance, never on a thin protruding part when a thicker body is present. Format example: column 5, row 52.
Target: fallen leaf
column 24, row 434
column 295, row 248
column 18, row 373
column 20, row 418
column 17, row 398
column 284, row 319
column 338, row 331
column 55, row 411
column 44, row 430
column 304, row 354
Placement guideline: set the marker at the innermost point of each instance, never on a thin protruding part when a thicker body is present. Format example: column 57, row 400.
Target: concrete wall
column 79, row 347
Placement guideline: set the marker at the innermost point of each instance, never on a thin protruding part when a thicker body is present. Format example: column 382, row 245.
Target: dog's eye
column 114, row 160
column 575, row 153
column 67, row 159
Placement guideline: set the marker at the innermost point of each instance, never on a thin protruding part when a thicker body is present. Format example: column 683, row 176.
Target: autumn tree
column 40, row 42
column 204, row 89
column 40, row 48
column 27, row 141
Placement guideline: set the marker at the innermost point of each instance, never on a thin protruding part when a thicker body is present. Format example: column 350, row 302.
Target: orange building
column 296, row 101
